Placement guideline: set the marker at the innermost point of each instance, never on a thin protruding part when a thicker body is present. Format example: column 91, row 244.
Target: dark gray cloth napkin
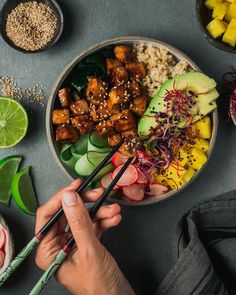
column 205, row 250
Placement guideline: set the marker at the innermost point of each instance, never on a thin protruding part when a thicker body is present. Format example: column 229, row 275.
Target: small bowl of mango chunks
column 218, row 22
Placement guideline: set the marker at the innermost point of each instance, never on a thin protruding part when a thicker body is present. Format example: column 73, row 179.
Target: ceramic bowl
column 204, row 16
column 59, row 83
column 9, row 5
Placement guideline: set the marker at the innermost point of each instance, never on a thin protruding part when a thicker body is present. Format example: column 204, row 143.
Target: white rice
column 161, row 66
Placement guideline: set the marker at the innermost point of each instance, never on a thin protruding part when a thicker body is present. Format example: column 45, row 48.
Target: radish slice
column 106, row 180
column 129, row 177
column 134, row 192
column 118, row 159
column 141, row 177
column 2, row 239
column 156, row 189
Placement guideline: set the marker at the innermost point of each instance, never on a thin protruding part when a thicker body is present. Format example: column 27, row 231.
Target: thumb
column 78, row 219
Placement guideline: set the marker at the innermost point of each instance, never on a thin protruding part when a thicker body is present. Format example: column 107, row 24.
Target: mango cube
column 219, row 10
column 230, row 12
column 182, row 157
column 232, row 24
column 175, row 184
column 161, row 179
column 197, row 159
column 174, row 174
column 229, row 37
column 188, row 174
column 212, row 3
column 202, row 144
column 231, row 1
column 216, row 27
column 203, row 127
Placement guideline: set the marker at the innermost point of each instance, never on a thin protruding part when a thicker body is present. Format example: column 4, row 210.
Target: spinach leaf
column 93, row 65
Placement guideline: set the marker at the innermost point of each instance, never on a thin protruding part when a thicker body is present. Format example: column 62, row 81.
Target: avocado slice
column 198, row 83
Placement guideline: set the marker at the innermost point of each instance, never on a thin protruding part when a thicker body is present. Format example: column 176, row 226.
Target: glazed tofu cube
column 61, row 116
column 113, row 108
column 134, row 88
column 118, row 75
column 83, row 123
column 125, row 54
column 123, row 121
column 94, row 113
column 64, row 97
column 114, row 139
column 96, row 90
column 101, row 112
column 79, row 107
column 112, row 63
column 105, row 128
column 118, row 95
column 130, row 147
column 129, row 133
column 139, row 105
column 136, row 70
column 66, row 134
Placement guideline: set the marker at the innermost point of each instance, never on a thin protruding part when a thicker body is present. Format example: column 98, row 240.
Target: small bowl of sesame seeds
column 31, row 26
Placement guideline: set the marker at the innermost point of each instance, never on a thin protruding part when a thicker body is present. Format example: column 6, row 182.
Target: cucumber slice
column 88, row 162
column 81, row 146
column 95, row 157
column 83, row 166
column 74, row 153
column 67, row 157
column 107, row 169
column 97, row 143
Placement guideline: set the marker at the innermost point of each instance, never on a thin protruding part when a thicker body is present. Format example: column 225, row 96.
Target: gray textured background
column 142, row 243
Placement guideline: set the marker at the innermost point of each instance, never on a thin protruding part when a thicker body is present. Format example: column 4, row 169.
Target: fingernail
column 70, row 198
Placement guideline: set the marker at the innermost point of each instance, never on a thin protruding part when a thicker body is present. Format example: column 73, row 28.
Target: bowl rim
column 220, row 45
column 98, row 46
column 52, row 42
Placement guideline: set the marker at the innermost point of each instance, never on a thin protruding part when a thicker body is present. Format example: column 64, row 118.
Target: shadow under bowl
column 204, row 16
column 9, row 5
column 61, row 82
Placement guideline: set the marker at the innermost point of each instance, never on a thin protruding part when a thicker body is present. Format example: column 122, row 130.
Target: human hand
column 89, row 269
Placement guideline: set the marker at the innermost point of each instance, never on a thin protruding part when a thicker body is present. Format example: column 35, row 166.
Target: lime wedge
column 23, row 192
column 13, row 122
column 8, row 168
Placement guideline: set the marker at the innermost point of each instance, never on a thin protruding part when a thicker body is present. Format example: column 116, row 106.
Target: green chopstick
column 69, row 245
column 17, row 261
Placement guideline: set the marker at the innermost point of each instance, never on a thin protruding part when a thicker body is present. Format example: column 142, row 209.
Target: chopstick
column 16, row 262
column 69, row 245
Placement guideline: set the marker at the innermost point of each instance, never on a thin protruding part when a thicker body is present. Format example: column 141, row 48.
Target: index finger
column 46, row 211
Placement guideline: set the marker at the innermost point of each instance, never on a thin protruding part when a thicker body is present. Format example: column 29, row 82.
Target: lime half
column 8, row 168
column 13, row 122
column 23, row 192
